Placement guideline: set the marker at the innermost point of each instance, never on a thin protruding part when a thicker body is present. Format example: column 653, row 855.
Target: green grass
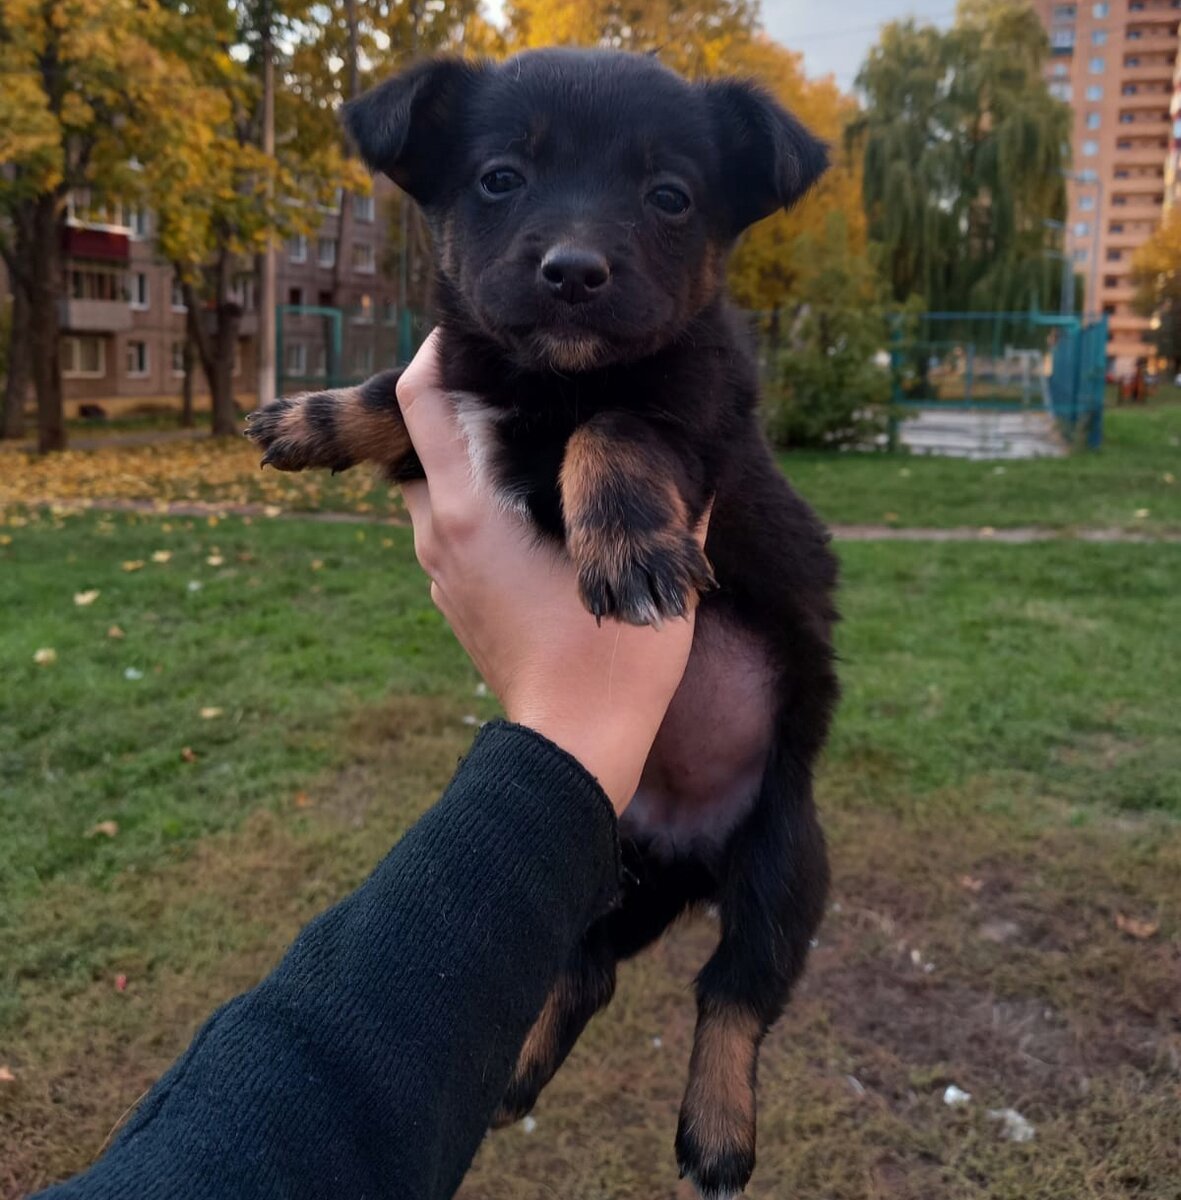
column 1108, row 487
column 1009, row 717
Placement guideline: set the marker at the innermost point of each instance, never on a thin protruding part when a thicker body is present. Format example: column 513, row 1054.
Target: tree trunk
column 16, row 386
column 45, row 291
column 189, row 365
column 225, row 412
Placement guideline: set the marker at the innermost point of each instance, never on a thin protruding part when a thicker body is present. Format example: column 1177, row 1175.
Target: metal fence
column 1007, row 362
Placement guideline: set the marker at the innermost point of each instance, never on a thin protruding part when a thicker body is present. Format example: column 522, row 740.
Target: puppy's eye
column 669, row 200
column 502, row 181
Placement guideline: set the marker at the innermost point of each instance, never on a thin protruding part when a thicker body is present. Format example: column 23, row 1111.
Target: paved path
column 103, row 441
column 1017, row 535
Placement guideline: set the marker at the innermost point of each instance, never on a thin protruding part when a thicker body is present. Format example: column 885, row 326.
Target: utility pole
column 267, row 298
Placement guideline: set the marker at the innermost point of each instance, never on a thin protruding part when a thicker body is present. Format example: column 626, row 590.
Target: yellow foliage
column 1156, row 265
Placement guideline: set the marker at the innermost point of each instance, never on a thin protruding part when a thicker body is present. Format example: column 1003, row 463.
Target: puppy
column 582, row 205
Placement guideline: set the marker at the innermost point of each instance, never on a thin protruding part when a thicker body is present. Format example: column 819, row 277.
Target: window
column 1060, row 69
column 1079, row 256
column 1095, row 91
column 1134, row 35
column 363, row 258
column 136, row 359
column 1090, row 148
column 1126, row 119
column 178, row 358
column 1115, row 227
column 1109, row 310
column 389, row 312
column 1114, row 255
column 139, row 222
column 242, row 292
column 297, row 249
column 1093, row 120
column 84, row 357
column 297, row 358
column 1131, row 61
column 140, row 292
column 1065, row 12
column 1062, row 91
column 1097, row 66
column 1118, row 201
column 326, row 252
column 1099, row 11
column 1098, row 37
column 1087, row 203
column 295, row 297
column 1062, row 39
column 178, row 297
column 363, row 208
column 325, row 299
column 364, row 313
column 363, row 360
column 320, row 361
column 1111, row 281
column 1082, row 229
column 97, row 283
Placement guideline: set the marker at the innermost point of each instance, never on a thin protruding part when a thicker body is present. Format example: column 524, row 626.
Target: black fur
column 623, row 416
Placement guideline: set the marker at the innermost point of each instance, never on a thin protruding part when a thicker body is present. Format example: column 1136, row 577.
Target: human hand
column 599, row 692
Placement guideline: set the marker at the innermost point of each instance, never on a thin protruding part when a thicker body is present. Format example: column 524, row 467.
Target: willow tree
column 963, row 152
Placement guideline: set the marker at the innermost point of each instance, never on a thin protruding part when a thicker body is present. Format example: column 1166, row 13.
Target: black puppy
column 582, row 205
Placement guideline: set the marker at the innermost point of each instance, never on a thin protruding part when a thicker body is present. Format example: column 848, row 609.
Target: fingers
column 430, row 420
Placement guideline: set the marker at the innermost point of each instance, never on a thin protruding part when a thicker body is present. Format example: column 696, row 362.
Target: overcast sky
column 834, row 40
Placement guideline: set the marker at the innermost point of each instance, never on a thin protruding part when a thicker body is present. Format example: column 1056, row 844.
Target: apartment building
column 1114, row 62
column 123, row 313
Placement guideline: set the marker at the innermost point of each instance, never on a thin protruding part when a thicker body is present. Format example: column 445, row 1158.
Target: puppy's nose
column 575, row 274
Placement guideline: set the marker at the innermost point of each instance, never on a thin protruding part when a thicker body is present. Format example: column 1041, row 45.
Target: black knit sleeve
column 370, row 1061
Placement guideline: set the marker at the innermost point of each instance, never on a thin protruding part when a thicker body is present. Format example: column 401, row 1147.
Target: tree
column 1156, row 274
column 84, row 82
column 963, row 150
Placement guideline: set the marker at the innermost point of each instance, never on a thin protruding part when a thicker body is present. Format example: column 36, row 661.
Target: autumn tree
column 1156, row 274
column 86, row 83
column 963, row 156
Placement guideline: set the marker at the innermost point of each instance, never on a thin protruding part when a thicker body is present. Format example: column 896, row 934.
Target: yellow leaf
column 317, row 564
column 161, row 556
column 45, row 657
column 105, row 828
column 1134, row 927
column 215, row 560
column 116, row 633
column 6, row 1075
column 5, row 539
column 211, row 713
column 133, row 564
column 85, row 599
column 1141, row 513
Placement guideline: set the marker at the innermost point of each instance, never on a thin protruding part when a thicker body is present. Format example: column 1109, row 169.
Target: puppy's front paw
column 299, row 432
column 642, row 579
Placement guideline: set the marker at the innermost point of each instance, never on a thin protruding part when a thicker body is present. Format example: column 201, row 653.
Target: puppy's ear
column 769, row 160
column 407, row 126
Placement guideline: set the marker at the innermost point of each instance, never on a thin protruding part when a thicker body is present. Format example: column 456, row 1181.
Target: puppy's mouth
column 569, row 349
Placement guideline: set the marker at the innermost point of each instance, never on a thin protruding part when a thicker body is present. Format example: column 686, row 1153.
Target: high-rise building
column 1113, row 61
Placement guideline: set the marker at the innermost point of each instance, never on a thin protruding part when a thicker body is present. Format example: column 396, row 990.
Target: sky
column 834, row 41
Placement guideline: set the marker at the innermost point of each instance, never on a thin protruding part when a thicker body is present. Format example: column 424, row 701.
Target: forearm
column 369, row 1062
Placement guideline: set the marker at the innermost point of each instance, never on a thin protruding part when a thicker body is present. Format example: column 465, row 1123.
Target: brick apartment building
column 1115, row 63
column 123, row 315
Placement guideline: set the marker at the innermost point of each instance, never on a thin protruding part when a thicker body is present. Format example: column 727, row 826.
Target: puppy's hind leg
column 770, row 904
column 335, row 429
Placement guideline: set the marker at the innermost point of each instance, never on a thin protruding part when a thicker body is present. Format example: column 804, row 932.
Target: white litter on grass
column 481, row 689
column 657, row 1043
column 471, row 719
column 856, row 1084
column 955, row 1097
column 133, row 673
column 529, row 1124
column 195, row 585
column 1017, row 1128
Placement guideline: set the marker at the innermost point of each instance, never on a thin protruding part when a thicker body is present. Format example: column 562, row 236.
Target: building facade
column 1114, row 62
column 123, row 314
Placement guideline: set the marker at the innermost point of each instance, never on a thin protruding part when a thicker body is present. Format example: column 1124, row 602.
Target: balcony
column 97, row 243
column 1149, row 72
column 95, row 316
column 1126, row 241
column 1148, row 157
column 1154, row 14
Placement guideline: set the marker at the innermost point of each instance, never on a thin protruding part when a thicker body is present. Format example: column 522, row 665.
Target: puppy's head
column 582, row 202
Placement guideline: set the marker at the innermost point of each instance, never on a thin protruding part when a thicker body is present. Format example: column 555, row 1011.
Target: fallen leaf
column 271, row 510
column 971, row 884
column 5, row 539
column 1168, row 477
column 85, row 599
column 987, row 531
column 211, row 713
column 890, row 516
column 116, row 633
column 120, row 983
column 133, row 564
column 108, row 829
column 1141, row 513
column 161, row 556
column 317, row 564
column 1134, row 927
column 188, row 754
column 213, row 521
column 45, row 657
column 215, row 560
column 303, row 800
column 6, row 1075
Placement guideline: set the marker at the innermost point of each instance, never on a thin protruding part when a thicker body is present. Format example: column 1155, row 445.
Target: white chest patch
column 478, row 423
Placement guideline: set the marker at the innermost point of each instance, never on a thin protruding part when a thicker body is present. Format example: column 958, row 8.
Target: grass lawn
column 1004, row 784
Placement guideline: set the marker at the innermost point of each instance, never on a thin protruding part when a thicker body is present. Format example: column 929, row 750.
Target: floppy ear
column 769, row 160
column 406, row 126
